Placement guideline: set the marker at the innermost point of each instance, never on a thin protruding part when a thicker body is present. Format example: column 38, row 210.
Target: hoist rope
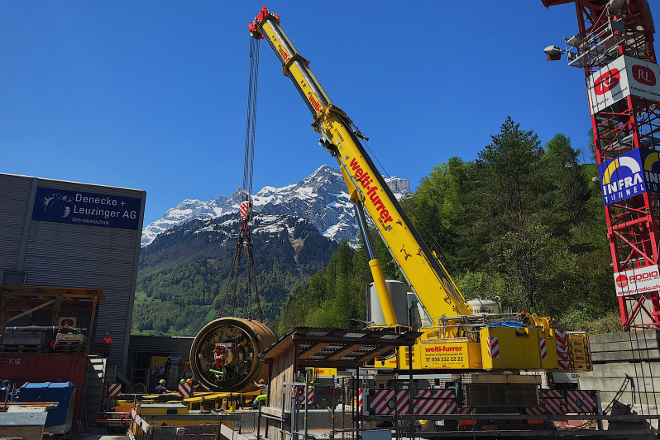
column 245, row 235
column 251, row 123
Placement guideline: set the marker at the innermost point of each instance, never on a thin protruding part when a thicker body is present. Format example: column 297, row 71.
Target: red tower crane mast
column 614, row 46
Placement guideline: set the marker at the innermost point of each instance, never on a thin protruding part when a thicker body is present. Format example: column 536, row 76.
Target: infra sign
column 630, row 175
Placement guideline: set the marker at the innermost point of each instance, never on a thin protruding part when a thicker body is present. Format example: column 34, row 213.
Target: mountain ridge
column 321, row 198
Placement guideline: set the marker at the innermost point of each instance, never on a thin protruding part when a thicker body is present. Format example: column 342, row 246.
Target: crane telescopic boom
column 458, row 339
column 367, row 188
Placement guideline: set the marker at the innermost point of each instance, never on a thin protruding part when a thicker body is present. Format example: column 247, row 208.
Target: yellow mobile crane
column 459, row 339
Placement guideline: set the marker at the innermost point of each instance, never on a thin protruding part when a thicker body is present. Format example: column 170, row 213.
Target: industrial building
column 68, row 234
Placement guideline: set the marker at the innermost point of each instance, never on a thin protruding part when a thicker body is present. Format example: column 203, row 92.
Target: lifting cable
column 245, row 231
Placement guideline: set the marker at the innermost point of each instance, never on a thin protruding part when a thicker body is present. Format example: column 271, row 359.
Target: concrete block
column 627, row 398
column 641, row 344
column 623, row 337
column 620, row 369
column 614, row 356
column 608, row 378
column 643, row 385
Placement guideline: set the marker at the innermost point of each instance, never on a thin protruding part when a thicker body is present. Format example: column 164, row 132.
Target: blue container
column 59, row 419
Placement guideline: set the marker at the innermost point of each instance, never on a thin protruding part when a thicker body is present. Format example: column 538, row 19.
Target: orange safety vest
column 107, row 340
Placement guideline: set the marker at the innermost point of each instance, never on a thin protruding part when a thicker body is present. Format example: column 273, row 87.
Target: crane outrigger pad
column 337, row 348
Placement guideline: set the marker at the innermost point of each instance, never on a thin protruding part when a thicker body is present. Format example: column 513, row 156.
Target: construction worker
column 263, row 397
column 161, row 388
column 106, row 347
column 193, row 383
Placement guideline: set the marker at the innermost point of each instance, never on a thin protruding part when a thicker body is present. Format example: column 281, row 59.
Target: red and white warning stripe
column 244, row 209
column 555, row 394
column 430, row 402
column 493, row 345
column 114, row 389
column 466, row 410
column 554, row 402
column 543, row 348
column 562, row 349
column 555, row 406
column 580, row 401
column 436, row 394
column 185, row 390
column 575, row 401
column 300, row 394
column 434, row 406
column 361, row 402
column 535, row 410
column 387, row 402
column 384, row 402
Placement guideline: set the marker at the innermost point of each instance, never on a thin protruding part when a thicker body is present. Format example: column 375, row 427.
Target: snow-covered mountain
column 321, row 198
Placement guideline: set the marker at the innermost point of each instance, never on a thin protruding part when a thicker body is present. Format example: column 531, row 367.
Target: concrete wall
column 633, row 354
column 625, row 346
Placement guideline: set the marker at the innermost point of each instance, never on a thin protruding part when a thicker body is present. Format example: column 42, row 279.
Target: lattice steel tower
column 614, row 46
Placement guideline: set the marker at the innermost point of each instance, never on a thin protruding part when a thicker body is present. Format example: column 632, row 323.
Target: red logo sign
column 644, row 75
column 644, row 276
column 443, row 349
column 283, row 53
column 607, row 81
column 314, row 102
column 622, row 281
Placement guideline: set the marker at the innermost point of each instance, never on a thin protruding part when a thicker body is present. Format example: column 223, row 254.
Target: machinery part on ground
column 223, row 356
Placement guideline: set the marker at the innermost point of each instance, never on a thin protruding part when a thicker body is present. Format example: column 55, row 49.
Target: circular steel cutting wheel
column 223, row 356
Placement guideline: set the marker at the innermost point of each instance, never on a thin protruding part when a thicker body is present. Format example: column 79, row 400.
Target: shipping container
column 20, row 368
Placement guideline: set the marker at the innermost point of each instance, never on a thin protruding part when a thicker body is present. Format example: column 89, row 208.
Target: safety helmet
column 261, row 381
column 189, row 381
column 161, row 381
column 182, row 381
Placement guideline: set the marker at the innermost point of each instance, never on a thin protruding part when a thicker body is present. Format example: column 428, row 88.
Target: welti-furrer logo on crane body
column 629, row 175
column 371, row 194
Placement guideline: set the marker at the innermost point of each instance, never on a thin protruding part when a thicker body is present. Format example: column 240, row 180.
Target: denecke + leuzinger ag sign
column 638, row 280
column 74, row 207
column 621, row 78
column 629, row 175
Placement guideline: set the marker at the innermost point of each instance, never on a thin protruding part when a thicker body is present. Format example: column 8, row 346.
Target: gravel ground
column 97, row 433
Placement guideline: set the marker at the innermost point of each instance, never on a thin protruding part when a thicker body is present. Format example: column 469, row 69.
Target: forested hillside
column 523, row 222
column 183, row 274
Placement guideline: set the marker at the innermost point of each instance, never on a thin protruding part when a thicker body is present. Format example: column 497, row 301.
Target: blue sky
column 152, row 94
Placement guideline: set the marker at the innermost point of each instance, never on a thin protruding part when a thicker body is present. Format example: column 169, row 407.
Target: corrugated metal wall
column 59, row 254
column 14, row 197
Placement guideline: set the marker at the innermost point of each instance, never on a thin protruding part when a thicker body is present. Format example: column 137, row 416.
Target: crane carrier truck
column 496, row 362
column 485, row 352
